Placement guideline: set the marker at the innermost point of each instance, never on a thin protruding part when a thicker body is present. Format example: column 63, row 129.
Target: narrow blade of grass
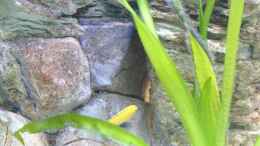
column 204, row 21
column 146, row 15
column 170, row 78
column 257, row 141
column 71, row 119
column 201, row 13
column 204, row 71
column 232, row 44
column 209, row 101
column 208, row 112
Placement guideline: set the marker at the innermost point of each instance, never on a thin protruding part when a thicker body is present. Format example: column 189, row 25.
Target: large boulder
column 46, row 76
column 39, row 18
column 115, row 64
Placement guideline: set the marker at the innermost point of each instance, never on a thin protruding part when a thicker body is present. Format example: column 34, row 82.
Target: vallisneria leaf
column 205, row 19
column 200, row 10
column 204, row 71
column 208, row 112
column 145, row 13
column 257, row 141
column 170, row 78
column 124, row 115
column 232, row 44
column 78, row 121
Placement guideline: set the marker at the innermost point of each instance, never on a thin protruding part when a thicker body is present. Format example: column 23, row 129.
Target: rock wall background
column 84, row 55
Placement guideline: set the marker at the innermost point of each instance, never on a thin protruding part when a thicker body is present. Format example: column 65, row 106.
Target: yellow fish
column 124, row 115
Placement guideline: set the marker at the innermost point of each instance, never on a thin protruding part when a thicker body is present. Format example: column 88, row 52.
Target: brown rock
column 56, row 75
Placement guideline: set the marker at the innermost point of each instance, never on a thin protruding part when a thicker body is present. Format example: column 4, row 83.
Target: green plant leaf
column 170, row 78
column 232, row 44
column 146, row 14
column 257, row 141
column 205, row 19
column 208, row 112
column 209, row 101
column 200, row 9
column 78, row 121
column 204, row 71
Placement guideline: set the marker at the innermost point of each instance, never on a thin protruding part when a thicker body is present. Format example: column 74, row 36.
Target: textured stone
column 103, row 49
column 10, row 123
column 12, row 90
column 64, row 7
column 104, row 106
column 22, row 18
column 104, row 8
column 129, row 80
column 55, row 74
column 115, row 64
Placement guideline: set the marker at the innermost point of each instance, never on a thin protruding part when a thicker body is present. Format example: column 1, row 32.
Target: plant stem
column 232, row 44
column 205, row 19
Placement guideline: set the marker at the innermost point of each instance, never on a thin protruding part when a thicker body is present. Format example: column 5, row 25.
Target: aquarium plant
column 205, row 110
column 205, row 114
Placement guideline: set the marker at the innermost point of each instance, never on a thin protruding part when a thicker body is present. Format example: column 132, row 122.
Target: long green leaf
column 201, row 13
column 207, row 112
column 204, row 21
column 204, row 71
column 232, row 43
column 257, row 141
column 146, row 14
column 171, row 79
column 209, row 101
column 78, row 121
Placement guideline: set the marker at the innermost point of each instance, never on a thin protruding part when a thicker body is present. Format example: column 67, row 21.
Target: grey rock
column 10, row 123
column 12, row 90
column 103, row 8
column 60, row 7
column 54, row 74
column 115, row 64
column 133, row 70
column 22, row 18
column 104, row 106
column 103, row 49
column 242, row 138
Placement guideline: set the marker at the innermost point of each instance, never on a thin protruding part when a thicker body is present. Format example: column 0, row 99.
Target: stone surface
column 64, row 7
column 53, row 72
column 10, row 123
column 103, row 8
column 133, row 70
column 103, row 49
column 104, row 106
column 115, row 64
column 22, row 18
column 12, row 90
